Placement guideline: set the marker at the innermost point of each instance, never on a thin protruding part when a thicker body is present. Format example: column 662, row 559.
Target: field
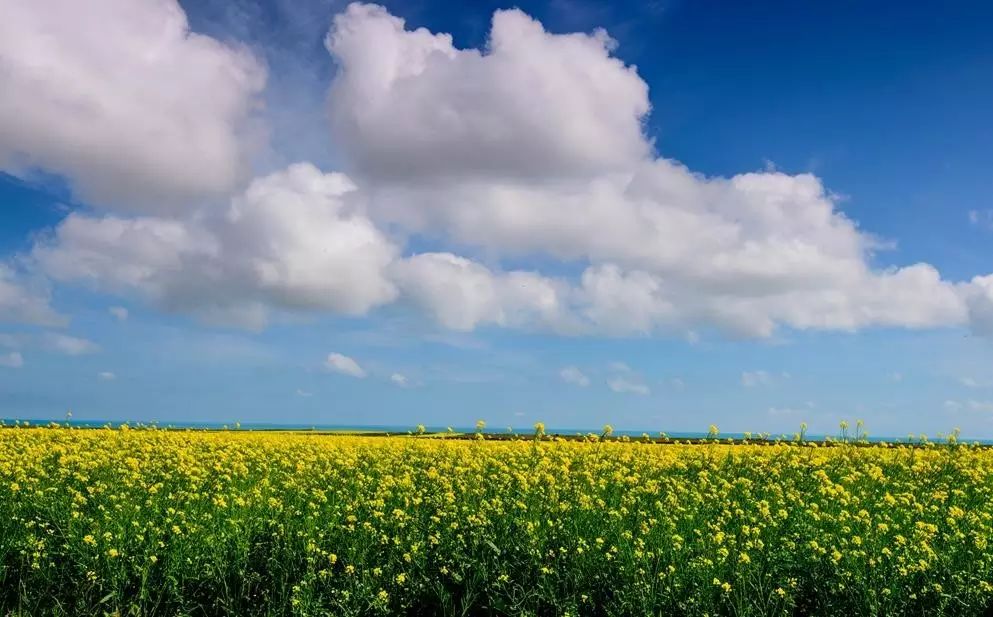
column 142, row 522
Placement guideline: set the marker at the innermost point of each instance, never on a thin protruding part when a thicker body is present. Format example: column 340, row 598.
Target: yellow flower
column 391, row 501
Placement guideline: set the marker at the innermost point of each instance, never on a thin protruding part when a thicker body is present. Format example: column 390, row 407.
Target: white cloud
column 462, row 294
column 625, row 385
column 978, row 295
column 895, row 376
column 339, row 363
column 21, row 302
column 444, row 141
column 623, row 303
column 106, row 376
column 122, row 254
column 304, row 393
column 288, row 242
column 638, row 302
column 399, row 380
column 123, row 100
column 573, row 375
column 301, row 245
column 69, row 345
column 534, row 104
column 11, row 359
column 531, row 149
column 119, row 313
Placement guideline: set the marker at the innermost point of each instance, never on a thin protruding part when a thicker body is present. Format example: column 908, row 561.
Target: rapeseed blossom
column 147, row 522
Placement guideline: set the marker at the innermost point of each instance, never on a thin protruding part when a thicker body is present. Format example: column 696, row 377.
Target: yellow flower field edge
column 154, row 522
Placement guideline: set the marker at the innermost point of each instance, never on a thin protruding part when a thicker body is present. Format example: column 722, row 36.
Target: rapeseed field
column 156, row 522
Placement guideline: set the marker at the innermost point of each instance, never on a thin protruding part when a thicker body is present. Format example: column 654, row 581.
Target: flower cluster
column 242, row 523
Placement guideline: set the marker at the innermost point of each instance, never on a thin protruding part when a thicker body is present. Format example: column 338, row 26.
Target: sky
column 659, row 215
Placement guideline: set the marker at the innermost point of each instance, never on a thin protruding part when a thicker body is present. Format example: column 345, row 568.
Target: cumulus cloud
column 121, row 254
column 21, row 302
column 123, row 100
column 462, row 294
column 11, row 359
column 444, row 141
column 119, row 313
column 399, row 379
column 69, row 345
column 106, row 376
column 339, row 363
column 287, row 242
column 573, row 375
column 531, row 150
column 979, row 304
column 534, row 104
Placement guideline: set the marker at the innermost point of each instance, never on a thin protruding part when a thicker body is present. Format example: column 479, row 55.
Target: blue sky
column 454, row 301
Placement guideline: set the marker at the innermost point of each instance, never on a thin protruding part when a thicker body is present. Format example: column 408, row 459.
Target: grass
column 154, row 522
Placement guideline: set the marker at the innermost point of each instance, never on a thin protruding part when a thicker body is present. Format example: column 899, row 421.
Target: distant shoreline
column 435, row 432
